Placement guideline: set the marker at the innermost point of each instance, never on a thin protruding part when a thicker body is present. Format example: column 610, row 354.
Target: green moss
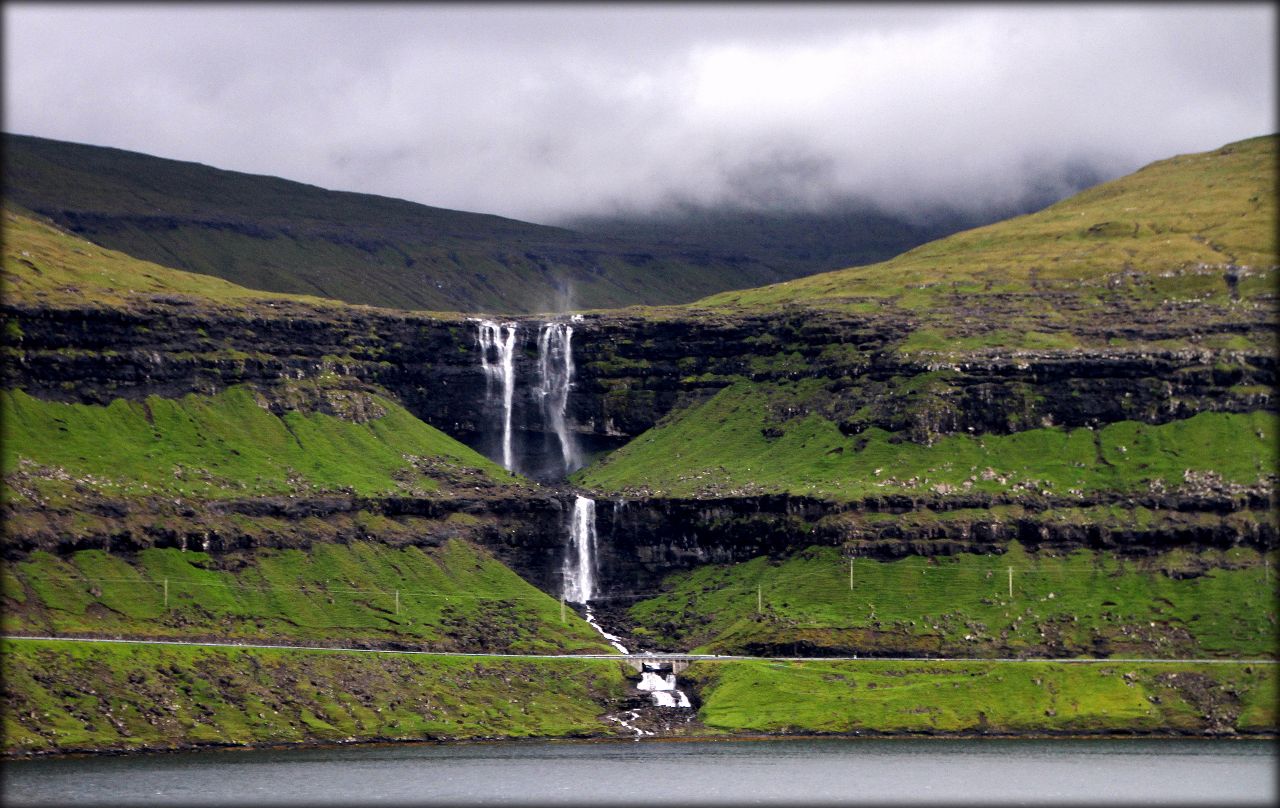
column 62, row 696
column 734, row 442
column 1208, row 604
column 454, row 597
column 984, row 697
column 218, row 446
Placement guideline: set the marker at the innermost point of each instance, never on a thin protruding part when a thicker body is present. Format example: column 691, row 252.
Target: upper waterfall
column 500, row 340
column 555, row 369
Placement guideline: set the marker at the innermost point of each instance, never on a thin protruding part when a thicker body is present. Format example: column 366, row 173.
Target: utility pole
column 850, row 574
column 166, row 593
column 397, row 601
column 562, row 607
column 1011, row 583
column 759, row 600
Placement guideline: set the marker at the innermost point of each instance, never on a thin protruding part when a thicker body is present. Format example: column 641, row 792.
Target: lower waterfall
column 580, row 561
column 579, row 587
column 663, row 689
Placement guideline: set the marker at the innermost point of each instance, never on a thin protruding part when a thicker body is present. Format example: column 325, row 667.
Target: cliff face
column 630, row 372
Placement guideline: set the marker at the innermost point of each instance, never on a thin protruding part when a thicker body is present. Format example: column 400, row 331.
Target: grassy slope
column 269, row 233
column 62, row 696
column 455, row 597
column 44, row 265
column 221, row 446
column 139, row 697
column 1079, row 604
column 719, row 447
column 940, row 697
column 1165, row 232
column 1153, row 247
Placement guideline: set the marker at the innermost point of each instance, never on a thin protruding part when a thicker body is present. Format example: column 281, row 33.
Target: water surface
column 879, row 771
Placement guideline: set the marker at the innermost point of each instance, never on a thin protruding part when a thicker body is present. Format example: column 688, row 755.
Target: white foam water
column 579, row 562
column 579, row 587
column 555, row 372
column 662, row 689
column 613, row 639
column 500, row 339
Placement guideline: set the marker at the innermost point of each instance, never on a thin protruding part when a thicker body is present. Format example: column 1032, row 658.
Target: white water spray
column 663, row 689
column 579, row 562
column 500, row 338
column 555, row 369
column 579, row 587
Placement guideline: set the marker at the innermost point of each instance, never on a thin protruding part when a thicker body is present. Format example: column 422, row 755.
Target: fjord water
column 812, row 771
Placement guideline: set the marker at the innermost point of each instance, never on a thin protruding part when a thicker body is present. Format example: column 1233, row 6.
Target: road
column 639, row 657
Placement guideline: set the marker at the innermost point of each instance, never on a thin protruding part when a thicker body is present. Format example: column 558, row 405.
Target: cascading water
column 579, row 587
column 555, row 369
column 579, row 562
column 499, row 339
column 663, row 689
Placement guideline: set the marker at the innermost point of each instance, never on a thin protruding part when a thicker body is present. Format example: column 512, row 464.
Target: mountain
column 1190, row 227
column 276, row 235
column 843, row 233
column 1050, row 437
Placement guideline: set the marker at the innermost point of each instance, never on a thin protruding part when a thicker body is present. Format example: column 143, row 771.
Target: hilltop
column 1197, row 229
column 276, row 235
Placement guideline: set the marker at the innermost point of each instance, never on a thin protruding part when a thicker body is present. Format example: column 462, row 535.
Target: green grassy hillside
column 454, row 597
column 734, row 443
column 228, row 445
column 272, row 234
column 1177, row 260
column 986, row 697
column 64, row 696
column 1195, row 229
column 1175, row 604
column 46, row 266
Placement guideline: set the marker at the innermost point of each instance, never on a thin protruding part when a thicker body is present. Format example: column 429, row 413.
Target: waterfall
column 663, row 689
column 579, row 562
column 500, row 339
column 555, row 369
column 579, row 587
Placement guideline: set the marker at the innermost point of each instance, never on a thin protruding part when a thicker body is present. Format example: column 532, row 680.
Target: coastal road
column 642, row 657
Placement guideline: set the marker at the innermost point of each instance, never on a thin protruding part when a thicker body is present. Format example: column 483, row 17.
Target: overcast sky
column 546, row 111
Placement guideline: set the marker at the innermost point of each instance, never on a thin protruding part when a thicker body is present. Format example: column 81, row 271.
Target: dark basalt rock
column 630, row 372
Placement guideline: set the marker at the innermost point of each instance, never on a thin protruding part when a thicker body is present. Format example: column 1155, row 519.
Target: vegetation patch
column 455, row 597
column 736, row 443
column 222, row 446
column 946, row 697
column 1211, row 604
column 62, row 696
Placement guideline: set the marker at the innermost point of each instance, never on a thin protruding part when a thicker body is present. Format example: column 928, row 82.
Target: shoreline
column 1101, row 735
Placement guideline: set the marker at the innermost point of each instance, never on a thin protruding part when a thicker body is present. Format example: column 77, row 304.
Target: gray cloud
column 544, row 111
